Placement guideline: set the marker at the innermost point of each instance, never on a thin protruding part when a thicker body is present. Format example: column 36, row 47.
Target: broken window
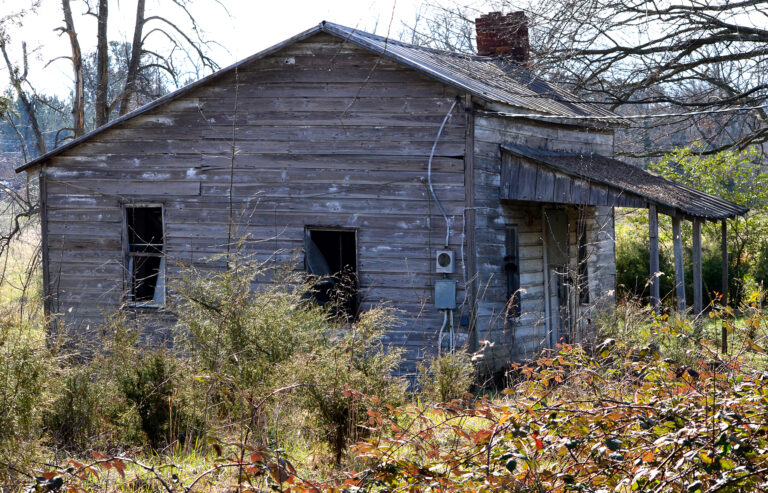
column 145, row 260
column 582, row 268
column 512, row 273
column 331, row 256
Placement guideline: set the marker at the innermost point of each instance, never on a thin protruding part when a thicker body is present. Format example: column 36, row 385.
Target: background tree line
column 107, row 83
column 167, row 49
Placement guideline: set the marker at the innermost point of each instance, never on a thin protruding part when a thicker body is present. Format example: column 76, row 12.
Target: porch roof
column 625, row 181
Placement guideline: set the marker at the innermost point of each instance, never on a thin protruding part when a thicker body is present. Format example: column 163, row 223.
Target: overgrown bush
column 633, row 268
column 26, row 370
column 131, row 393
column 352, row 362
column 150, row 388
column 74, row 418
column 232, row 329
column 446, row 377
column 622, row 418
column 250, row 341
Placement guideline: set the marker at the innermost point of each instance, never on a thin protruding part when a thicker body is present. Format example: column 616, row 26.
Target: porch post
column 724, row 279
column 653, row 236
column 697, row 287
column 677, row 243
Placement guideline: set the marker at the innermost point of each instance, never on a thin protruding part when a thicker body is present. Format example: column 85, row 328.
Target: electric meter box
column 445, row 262
column 445, row 294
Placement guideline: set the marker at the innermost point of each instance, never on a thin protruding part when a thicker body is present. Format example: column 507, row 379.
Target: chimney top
column 504, row 35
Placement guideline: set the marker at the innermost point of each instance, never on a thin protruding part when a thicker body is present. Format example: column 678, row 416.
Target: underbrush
column 265, row 389
column 242, row 373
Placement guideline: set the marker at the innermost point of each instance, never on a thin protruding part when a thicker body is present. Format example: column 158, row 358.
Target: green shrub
column 74, row 419
column 231, row 329
column 129, row 394
column 26, row 368
column 245, row 342
column 447, row 377
column 350, row 363
column 149, row 388
column 633, row 269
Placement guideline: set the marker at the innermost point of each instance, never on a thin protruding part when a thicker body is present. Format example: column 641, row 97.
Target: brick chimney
column 504, row 35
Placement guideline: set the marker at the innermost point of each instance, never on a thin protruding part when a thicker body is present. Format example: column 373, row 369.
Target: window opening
column 512, row 272
column 145, row 258
column 331, row 255
column 582, row 269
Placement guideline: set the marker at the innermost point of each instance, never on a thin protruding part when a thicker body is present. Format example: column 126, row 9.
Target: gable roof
column 625, row 177
column 490, row 79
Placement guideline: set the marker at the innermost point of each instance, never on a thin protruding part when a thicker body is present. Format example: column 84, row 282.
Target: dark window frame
column 133, row 251
column 582, row 261
column 353, row 308
column 514, row 298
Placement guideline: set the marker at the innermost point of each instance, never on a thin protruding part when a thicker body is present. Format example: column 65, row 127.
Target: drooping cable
column 440, row 333
column 429, row 176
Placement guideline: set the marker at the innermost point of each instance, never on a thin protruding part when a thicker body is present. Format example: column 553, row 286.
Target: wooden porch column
column 653, row 236
column 724, row 279
column 698, row 305
column 677, row 242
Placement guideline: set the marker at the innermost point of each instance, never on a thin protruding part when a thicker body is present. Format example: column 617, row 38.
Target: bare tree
column 78, row 99
column 143, row 62
column 191, row 43
column 18, row 80
column 703, row 60
column 102, row 65
column 135, row 60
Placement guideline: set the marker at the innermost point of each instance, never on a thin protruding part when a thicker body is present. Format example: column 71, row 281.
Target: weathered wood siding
column 529, row 334
column 320, row 133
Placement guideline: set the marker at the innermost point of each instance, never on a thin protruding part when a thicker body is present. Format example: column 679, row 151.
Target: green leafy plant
column 26, row 368
column 620, row 418
column 231, row 329
column 351, row 364
column 74, row 418
column 446, row 377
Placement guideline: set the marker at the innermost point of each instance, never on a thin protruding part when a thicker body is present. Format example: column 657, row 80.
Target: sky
column 243, row 28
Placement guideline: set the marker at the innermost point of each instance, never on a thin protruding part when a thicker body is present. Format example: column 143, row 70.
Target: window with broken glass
column 145, row 258
column 331, row 256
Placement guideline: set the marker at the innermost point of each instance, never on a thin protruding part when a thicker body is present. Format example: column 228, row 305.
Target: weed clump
column 446, row 377
column 26, row 369
column 351, row 364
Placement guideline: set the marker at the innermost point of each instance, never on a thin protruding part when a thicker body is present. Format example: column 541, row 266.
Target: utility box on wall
column 445, row 294
column 445, row 262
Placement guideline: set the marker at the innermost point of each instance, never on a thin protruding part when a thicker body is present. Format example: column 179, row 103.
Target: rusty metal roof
column 626, row 177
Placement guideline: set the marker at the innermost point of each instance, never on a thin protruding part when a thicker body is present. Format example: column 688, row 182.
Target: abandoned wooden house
column 464, row 191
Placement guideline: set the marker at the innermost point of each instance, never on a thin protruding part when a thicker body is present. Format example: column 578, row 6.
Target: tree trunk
column 78, row 102
column 102, row 65
column 135, row 62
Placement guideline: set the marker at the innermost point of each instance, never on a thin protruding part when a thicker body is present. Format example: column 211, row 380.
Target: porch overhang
column 591, row 179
